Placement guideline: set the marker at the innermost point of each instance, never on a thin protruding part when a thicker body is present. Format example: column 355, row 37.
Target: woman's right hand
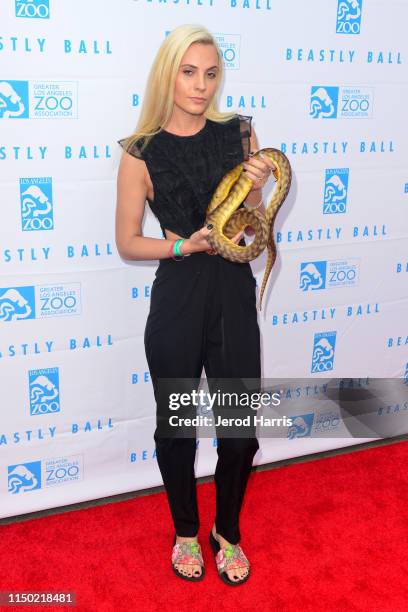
column 198, row 242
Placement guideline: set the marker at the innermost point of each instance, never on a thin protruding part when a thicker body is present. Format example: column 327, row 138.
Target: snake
column 227, row 221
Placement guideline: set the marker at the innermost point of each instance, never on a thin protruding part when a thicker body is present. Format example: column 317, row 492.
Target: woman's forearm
column 143, row 247
column 253, row 199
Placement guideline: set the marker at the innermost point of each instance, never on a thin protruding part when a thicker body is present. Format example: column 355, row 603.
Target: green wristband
column 176, row 248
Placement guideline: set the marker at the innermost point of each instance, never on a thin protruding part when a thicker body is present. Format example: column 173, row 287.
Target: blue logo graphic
column 406, row 188
column 43, row 100
column 348, row 102
column 14, row 99
column 63, row 470
column 17, row 303
column 342, row 273
column 355, row 102
column 326, row 421
column 315, row 275
column 24, row 477
column 349, row 16
column 324, row 345
column 44, row 391
column 229, row 45
column 33, row 475
column 312, row 275
column 335, row 191
column 33, row 9
column 39, row 302
column 324, row 102
column 36, row 204
column 59, row 300
column 301, row 426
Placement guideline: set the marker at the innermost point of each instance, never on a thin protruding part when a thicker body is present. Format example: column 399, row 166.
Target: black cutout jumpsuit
column 202, row 314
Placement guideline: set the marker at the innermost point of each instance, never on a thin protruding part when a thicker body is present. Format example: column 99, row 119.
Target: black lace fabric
column 185, row 170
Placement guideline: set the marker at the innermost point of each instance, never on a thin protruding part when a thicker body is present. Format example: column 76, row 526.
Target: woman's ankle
column 186, row 538
column 215, row 533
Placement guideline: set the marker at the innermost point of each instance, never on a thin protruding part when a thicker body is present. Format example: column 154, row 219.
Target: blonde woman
column 203, row 308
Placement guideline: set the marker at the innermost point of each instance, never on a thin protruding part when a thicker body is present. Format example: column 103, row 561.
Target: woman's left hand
column 258, row 170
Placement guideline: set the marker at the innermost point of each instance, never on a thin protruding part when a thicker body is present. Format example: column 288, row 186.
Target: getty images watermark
column 312, row 407
column 223, row 399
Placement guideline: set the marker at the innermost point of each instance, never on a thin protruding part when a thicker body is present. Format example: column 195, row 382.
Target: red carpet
column 326, row 535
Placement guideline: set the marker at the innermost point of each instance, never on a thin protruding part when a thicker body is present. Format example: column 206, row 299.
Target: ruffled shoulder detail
column 237, row 134
column 134, row 148
column 245, row 126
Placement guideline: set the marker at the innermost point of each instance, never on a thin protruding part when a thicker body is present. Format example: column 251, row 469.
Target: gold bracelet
column 253, row 207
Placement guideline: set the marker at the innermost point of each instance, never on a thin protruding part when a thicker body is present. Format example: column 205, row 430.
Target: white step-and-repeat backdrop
column 326, row 82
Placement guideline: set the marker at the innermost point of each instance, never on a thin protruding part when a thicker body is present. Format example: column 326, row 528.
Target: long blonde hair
column 158, row 100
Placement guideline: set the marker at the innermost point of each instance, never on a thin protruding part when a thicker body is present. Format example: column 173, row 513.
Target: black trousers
column 203, row 313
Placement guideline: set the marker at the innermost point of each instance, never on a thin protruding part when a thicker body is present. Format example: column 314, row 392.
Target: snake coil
column 227, row 221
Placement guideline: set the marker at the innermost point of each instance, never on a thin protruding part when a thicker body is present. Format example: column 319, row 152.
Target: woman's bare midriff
column 171, row 235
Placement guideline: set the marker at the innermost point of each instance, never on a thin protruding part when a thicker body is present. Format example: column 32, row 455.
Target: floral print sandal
column 228, row 558
column 188, row 553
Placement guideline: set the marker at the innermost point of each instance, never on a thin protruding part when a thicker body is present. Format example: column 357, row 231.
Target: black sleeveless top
column 185, row 170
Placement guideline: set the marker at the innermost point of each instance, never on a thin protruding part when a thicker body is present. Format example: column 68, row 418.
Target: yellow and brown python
column 227, row 221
